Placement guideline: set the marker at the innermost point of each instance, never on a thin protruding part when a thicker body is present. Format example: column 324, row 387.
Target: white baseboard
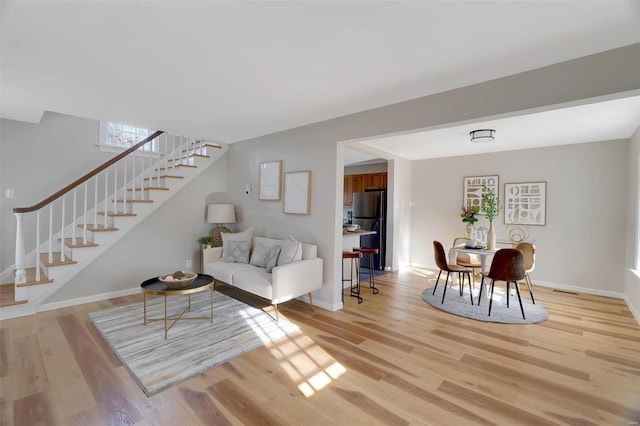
column 634, row 312
column 88, row 299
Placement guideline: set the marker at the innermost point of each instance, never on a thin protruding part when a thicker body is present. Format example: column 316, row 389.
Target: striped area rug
column 192, row 346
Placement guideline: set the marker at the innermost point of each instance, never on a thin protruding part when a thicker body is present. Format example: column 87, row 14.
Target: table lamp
column 220, row 214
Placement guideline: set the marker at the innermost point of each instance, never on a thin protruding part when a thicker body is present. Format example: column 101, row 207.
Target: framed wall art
column 297, row 192
column 474, row 187
column 525, row 203
column 270, row 180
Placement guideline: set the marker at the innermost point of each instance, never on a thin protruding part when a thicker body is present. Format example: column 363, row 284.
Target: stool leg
column 372, row 282
column 357, row 292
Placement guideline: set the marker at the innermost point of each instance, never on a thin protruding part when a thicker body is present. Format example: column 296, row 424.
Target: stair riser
column 58, row 272
column 80, row 254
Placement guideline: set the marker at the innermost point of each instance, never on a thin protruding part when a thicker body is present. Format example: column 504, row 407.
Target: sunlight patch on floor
column 305, row 362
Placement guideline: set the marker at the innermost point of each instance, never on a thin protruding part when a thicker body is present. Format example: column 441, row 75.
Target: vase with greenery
column 491, row 208
column 468, row 216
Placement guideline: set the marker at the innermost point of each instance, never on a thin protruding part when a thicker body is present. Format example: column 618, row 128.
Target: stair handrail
column 87, row 176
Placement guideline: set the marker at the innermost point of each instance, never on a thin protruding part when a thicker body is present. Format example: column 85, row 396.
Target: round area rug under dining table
column 461, row 306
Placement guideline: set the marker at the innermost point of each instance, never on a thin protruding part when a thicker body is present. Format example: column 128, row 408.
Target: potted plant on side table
column 491, row 208
column 205, row 241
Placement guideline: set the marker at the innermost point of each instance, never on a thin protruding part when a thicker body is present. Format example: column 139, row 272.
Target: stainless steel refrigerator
column 370, row 212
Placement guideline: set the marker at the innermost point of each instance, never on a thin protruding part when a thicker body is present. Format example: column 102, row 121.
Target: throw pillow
column 260, row 255
column 227, row 247
column 290, row 252
column 236, row 251
column 273, row 258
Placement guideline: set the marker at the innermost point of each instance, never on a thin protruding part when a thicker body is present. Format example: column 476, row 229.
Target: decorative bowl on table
column 471, row 244
column 178, row 279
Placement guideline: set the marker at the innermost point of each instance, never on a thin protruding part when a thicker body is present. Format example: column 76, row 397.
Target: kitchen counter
column 358, row 233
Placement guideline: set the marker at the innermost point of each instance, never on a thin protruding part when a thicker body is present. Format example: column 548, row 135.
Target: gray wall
column 581, row 244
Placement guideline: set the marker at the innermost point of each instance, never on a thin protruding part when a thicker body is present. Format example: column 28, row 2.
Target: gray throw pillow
column 236, row 251
column 290, row 252
column 273, row 258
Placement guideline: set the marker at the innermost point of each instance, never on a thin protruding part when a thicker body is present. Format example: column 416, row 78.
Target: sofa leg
column 275, row 306
column 311, row 301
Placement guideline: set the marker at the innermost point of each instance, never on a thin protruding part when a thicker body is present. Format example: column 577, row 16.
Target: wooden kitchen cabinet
column 375, row 181
column 359, row 183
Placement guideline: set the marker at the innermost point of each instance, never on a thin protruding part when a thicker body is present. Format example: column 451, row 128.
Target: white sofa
column 284, row 283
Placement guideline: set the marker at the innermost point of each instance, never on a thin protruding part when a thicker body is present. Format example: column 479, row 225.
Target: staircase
column 63, row 234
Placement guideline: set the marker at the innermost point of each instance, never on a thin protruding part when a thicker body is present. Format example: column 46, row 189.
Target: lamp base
column 216, row 238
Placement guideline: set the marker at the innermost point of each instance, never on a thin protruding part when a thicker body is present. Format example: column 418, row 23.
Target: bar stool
column 355, row 259
column 371, row 251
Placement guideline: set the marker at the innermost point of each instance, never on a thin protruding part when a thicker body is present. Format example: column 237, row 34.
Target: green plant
column 490, row 204
column 469, row 214
column 204, row 240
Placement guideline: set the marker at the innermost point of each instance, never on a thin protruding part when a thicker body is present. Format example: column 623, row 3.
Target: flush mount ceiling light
column 482, row 135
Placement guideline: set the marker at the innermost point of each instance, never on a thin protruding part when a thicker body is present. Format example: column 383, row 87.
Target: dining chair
column 529, row 252
column 508, row 266
column 441, row 262
column 468, row 260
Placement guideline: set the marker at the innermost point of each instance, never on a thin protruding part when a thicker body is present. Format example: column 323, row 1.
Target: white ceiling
column 228, row 71
column 598, row 121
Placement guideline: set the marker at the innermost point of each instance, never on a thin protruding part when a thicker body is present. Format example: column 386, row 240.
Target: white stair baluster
column 106, row 197
column 50, row 257
column 159, row 150
column 149, row 146
column 133, row 178
column 84, row 214
column 62, row 229
column 173, row 152
column 142, row 174
column 21, row 274
column 95, row 207
column 115, row 187
column 73, row 221
column 38, row 245
column 124, row 191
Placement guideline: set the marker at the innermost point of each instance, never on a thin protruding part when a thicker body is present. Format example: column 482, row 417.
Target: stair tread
column 166, row 177
column 8, row 295
column 179, row 165
column 58, row 260
column 135, row 201
column 31, row 278
column 98, row 228
column 146, row 188
column 117, row 214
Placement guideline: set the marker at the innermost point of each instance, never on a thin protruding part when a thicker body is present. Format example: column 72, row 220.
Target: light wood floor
column 390, row 360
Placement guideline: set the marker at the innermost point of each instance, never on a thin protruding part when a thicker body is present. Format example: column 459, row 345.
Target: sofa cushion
column 223, row 271
column 255, row 280
column 291, row 251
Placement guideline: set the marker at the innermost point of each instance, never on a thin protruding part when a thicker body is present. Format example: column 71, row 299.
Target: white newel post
column 21, row 274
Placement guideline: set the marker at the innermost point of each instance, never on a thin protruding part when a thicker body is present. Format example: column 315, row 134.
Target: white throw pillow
column 291, row 251
column 236, row 246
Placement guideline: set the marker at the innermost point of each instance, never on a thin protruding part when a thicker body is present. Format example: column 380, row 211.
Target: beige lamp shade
column 220, row 213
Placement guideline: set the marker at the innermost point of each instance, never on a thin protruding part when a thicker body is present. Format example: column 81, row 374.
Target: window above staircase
column 118, row 137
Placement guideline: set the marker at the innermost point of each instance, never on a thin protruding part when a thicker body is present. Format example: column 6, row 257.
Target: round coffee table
column 156, row 287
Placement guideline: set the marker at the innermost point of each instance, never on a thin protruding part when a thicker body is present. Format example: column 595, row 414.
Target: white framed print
column 297, row 192
column 270, row 180
column 525, row 203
